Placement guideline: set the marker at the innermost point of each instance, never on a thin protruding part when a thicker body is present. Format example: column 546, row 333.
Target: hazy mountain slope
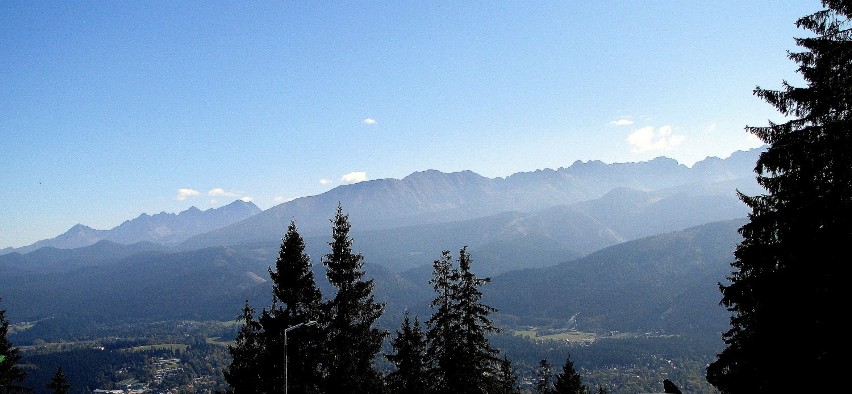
column 662, row 283
column 515, row 240
column 162, row 228
column 63, row 260
column 505, row 241
column 435, row 197
column 150, row 285
column 168, row 228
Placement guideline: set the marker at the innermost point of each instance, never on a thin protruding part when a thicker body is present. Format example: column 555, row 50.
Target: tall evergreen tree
column 11, row 374
column 461, row 357
column 59, row 383
column 569, row 381
column 352, row 341
column 295, row 300
column 507, row 378
column 790, row 268
column 244, row 373
column 443, row 328
column 258, row 355
column 409, row 357
column 543, row 377
column 479, row 367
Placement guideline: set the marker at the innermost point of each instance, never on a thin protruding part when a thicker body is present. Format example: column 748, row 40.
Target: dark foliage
column 462, row 359
column 670, row 387
column 296, row 303
column 795, row 246
column 59, row 383
column 276, row 351
column 11, row 374
column 507, row 378
column 352, row 340
column 544, row 377
column 246, row 353
column 409, row 357
column 569, row 381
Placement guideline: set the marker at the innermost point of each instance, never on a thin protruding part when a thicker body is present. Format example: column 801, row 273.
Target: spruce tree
column 247, row 352
column 295, row 300
column 790, row 268
column 59, row 383
column 258, row 355
column 11, row 374
column 443, row 328
column 462, row 359
column 569, row 381
column 479, row 357
column 409, row 357
column 352, row 341
column 543, row 377
column 507, row 378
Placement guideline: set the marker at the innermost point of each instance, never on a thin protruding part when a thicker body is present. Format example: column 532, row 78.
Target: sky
column 111, row 109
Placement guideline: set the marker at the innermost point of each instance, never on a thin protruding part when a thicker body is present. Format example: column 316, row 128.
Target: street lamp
column 286, row 330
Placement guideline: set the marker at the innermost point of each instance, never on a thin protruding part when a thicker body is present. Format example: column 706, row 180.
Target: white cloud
column 246, row 199
column 647, row 139
column 325, row 181
column 183, row 194
column 354, row 177
column 219, row 192
column 621, row 122
column 369, row 121
column 282, row 199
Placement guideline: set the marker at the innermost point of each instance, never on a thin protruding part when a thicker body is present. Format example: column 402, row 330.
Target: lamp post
column 286, row 330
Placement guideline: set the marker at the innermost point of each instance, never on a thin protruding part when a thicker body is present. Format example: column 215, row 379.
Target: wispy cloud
column 220, row 192
column 246, row 199
column 648, row 139
column 354, row 177
column 183, row 194
column 369, row 121
column 325, row 181
column 621, row 122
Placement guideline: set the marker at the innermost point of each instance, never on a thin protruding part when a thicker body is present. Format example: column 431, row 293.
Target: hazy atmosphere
column 112, row 109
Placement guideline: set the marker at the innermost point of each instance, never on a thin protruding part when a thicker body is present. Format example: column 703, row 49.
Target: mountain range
column 162, row 228
column 627, row 246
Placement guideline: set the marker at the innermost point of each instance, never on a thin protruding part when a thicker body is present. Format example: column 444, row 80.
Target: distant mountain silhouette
column 162, row 228
column 431, row 197
column 664, row 283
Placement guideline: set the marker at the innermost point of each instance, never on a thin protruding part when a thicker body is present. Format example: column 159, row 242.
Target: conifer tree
column 352, row 341
column 543, row 376
column 258, row 358
column 443, row 328
column 296, row 300
column 244, row 373
column 479, row 366
column 569, row 381
column 409, row 357
column 790, row 268
column 507, row 378
column 462, row 359
column 11, row 374
column 59, row 383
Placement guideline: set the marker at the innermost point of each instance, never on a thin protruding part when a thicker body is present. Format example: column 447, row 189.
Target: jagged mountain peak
column 432, row 196
column 163, row 228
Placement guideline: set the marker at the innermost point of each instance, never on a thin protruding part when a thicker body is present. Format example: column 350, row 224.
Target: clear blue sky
column 110, row 109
